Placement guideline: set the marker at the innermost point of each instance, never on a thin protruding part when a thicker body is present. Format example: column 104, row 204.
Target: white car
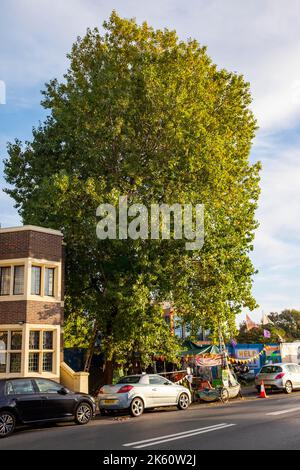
column 138, row 392
column 280, row 376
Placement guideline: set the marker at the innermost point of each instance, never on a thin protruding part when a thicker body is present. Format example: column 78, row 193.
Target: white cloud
column 258, row 38
column 279, row 211
column 38, row 35
column 277, row 242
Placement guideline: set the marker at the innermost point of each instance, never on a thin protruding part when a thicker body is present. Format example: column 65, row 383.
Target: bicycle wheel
column 224, row 395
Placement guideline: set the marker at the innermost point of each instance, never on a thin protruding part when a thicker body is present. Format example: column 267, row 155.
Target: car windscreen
column 271, row 370
column 132, row 379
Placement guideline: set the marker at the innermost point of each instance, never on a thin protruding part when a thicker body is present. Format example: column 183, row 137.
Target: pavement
column 248, row 423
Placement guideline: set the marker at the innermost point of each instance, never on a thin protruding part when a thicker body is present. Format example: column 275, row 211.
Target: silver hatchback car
column 282, row 376
column 138, row 392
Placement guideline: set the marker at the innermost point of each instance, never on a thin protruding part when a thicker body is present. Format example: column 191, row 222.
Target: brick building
column 31, row 302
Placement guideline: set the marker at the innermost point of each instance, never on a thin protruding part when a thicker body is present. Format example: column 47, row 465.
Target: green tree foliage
column 143, row 114
column 288, row 321
column 78, row 330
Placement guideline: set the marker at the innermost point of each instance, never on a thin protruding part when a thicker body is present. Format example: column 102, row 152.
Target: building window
column 41, row 354
column 15, row 363
column 5, row 280
column 34, row 340
column 49, row 282
column 3, row 362
column 18, row 280
column 3, row 351
column 36, row 280
column 10, row 351
column 16, row 340
column 47, row 362
column 33, row 362
column 48, row 346
column 48, row 340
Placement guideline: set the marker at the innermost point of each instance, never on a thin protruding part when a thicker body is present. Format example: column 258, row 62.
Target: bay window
column 36, row 280
column 3, row 350
column 49, row 282
column 34, row 340
column 13, row 280
column 5, row 280
column 18, row 280
column 41, row 351
column 10, row 351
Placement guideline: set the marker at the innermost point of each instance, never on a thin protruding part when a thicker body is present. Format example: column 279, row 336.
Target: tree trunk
column 91, row 349
column 108, row 372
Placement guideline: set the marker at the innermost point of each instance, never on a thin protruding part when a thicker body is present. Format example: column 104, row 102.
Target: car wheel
column 136, row 407
column 288, row 388
column 183, row 402
column 83, row 413
column 7, row 423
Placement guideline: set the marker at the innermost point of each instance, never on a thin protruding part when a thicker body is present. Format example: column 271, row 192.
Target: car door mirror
column 63, row 391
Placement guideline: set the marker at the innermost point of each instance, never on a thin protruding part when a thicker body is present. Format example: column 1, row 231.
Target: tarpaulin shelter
column 206, row 355
column 193, row 349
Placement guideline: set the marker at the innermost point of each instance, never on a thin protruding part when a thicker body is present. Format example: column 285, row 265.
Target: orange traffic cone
column 262, row 391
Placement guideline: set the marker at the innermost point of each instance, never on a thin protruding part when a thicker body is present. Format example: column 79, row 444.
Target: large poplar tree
column 143, row 114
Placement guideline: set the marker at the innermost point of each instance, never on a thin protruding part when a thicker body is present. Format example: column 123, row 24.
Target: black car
column 38, row 400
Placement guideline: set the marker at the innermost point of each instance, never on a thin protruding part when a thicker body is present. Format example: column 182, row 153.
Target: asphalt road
column 251, row 423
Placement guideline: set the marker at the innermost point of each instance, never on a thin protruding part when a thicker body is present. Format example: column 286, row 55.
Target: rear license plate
column 109, row 402
column 267, row 386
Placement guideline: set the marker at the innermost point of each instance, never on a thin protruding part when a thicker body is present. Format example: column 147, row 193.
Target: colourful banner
column 246, row 356
column 209, row 360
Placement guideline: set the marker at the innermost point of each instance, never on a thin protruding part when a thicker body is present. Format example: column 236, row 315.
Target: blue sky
column 259, row 39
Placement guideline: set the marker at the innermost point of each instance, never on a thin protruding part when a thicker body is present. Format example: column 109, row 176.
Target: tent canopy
column 193, row 349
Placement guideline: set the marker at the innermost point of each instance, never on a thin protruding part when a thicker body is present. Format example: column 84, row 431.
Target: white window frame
column 8, row 351
column 10, row 276
column 13, row 272
column 40, row 351
column 53, row 268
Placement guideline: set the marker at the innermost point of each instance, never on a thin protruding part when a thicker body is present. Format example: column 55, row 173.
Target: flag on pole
column 267, row 334
column 266, row 320
column 250, row 324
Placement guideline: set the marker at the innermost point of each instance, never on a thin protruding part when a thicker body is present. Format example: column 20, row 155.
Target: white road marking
column 179, row 435
column 281, row 412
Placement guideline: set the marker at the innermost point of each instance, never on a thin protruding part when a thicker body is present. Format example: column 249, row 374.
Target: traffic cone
column 262, row 391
